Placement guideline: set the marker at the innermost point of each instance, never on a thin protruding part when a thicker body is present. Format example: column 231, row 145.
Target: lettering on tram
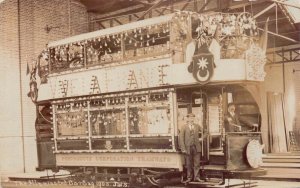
column 163, row 101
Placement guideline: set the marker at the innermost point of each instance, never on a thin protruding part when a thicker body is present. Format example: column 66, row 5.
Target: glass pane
column 108, row 122
column 73, row 123
column 143, row 120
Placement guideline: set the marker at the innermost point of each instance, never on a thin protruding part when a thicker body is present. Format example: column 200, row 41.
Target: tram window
column 108, row 122
column 149, row 120
column 156, row 97
column 72, row 123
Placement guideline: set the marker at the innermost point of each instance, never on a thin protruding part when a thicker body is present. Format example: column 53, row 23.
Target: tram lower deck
column 135, row 137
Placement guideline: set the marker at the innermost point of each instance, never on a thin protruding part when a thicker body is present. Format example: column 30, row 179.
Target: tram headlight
column 254, row 153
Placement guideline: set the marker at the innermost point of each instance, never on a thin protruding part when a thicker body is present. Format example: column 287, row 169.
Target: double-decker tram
column 111, row 103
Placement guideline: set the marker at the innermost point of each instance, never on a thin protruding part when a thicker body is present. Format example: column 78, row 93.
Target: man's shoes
column 187, row 180
column 198, row 179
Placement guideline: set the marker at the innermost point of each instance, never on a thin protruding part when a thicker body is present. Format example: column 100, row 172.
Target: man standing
column 232, row 122
column 190, row 146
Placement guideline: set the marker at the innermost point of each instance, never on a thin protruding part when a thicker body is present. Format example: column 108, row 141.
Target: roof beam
column 281, row 36
column 237, row 4
column 287, row 3
column 158, row 2
column 185, row 5
column 204, row 6
column 144, row 2
column 264, row 11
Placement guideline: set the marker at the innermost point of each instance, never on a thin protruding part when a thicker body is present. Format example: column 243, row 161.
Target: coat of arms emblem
column 108, row 145
column 202, row 65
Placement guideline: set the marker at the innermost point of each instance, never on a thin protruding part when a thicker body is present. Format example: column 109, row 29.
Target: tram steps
column 283, row 166
column 288, row 160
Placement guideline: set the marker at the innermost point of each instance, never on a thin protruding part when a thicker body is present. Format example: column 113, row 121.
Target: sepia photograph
column 150, row 93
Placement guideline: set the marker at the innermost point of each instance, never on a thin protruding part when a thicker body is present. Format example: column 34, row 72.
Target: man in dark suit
column 232, row 122
column 191, row 147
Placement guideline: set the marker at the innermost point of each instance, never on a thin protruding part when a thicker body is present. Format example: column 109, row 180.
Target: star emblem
column 202, row 63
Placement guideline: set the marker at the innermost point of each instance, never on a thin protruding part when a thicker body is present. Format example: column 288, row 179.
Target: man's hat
column 190, row 115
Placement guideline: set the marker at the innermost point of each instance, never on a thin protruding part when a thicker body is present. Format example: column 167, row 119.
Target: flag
column 37, row 74
column 27, row 69
column 263, row 42
column 189, row 52
column 217, row 33
column 215, row 49
column 39, row 69
column 214, row 46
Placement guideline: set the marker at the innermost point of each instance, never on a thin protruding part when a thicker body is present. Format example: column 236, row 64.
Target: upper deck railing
column 151, row 38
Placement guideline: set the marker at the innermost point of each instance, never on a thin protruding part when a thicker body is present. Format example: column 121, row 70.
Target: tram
column 111, row 103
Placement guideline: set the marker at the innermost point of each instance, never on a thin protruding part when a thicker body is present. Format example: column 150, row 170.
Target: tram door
column 199, row 108
column 191, row 101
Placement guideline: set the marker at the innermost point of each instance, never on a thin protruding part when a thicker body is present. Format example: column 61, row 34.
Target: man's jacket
column 231, row 123
column 186, row 138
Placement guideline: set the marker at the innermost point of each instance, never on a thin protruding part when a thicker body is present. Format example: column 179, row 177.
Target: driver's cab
column 210, row 106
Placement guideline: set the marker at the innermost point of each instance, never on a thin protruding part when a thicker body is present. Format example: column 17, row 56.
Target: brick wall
column 10, row 110
column 17, row 112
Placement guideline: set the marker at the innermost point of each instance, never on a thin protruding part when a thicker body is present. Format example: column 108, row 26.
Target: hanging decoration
column 234, row 32
column 102, row 49
column 71, row 123
column 255, row 63
column 34, row 80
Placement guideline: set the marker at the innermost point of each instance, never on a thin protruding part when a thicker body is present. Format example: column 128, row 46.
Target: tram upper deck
column 178, row 49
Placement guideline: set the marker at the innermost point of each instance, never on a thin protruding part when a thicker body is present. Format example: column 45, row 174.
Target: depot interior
column 276, row 98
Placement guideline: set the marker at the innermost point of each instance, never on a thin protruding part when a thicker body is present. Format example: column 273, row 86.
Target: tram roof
column 112, row 30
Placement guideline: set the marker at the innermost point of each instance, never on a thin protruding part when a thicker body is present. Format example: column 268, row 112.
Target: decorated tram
column 111, row 103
